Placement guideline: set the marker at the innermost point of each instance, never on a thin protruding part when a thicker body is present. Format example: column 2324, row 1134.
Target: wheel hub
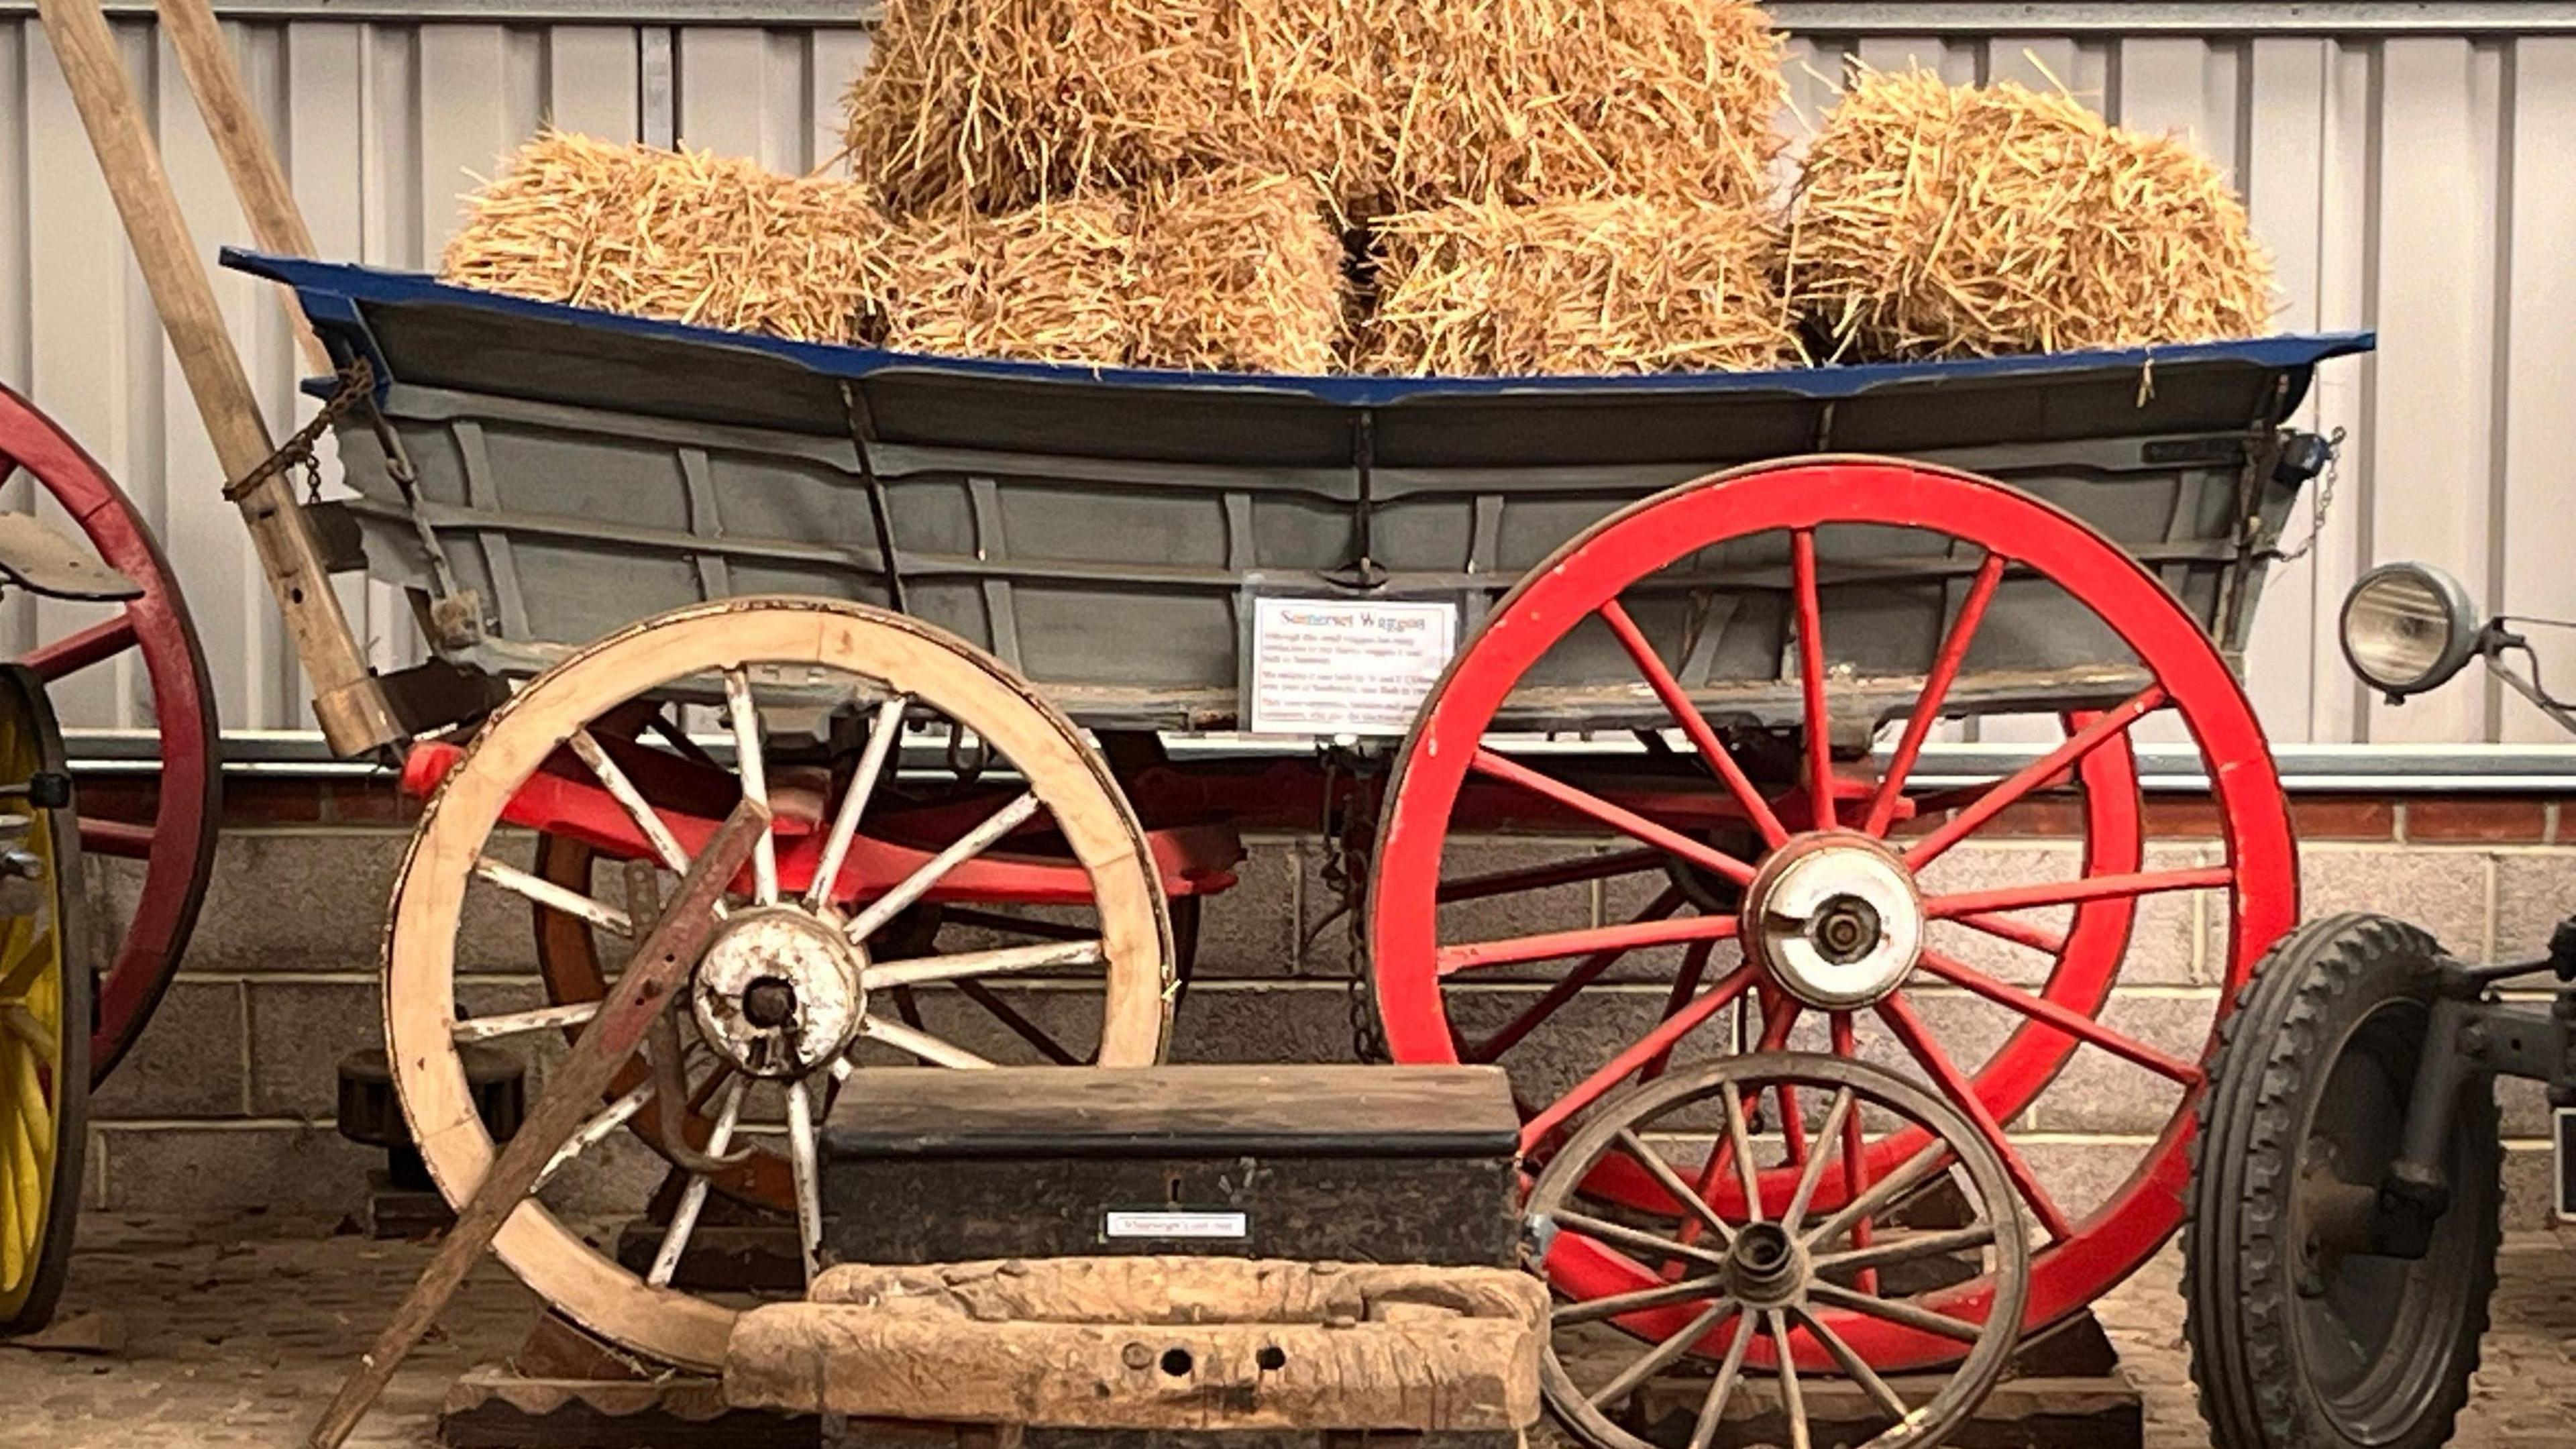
column 778, row 992
column 1835, row 920
column 1766, row 1268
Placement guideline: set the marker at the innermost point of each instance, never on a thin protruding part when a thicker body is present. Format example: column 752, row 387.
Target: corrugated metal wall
column 2410, row 183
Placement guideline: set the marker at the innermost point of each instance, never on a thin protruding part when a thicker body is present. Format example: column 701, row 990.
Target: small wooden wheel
column 1769, row 1282
column 45, row 991
column 793, row 992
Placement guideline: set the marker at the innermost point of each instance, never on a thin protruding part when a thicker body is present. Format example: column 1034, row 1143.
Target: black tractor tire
column 2326, row 1034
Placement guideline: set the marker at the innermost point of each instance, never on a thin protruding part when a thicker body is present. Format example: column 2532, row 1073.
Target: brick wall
column 228, row 1099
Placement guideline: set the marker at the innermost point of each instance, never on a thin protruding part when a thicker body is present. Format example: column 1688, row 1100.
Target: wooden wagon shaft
column 241, row 138
column 573, row 1090
column 347, row 698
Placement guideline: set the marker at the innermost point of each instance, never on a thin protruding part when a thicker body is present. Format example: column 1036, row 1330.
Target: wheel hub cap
column 1835, row 920
column 778, row 992
column 1765, row 1268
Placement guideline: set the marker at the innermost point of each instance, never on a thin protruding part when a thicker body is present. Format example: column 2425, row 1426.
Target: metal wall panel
column 2402, row 178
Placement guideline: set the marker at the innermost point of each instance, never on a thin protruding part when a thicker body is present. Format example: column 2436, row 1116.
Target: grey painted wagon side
column 1103, row 531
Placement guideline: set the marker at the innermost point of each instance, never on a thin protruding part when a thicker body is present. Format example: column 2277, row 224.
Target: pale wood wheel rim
column 1068, row 777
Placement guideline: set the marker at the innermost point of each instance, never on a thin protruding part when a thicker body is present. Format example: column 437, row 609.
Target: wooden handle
column 347, row 698
column 267, row 201
column 651, row 981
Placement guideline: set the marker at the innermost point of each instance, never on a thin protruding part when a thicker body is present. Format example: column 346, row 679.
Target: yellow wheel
column 44, row 1009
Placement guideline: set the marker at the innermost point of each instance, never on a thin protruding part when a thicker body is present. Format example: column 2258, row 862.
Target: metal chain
column 1344, row 871
column 296, row 455
column 2320, row 502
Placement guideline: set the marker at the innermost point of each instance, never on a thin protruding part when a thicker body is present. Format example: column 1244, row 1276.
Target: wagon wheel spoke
column 1896, row 1311
column 1909, row 1174
column 1593, row 1310
column 914, row 886
column 1000, row 961
column 1724, row 1152
column 2075, row 892
column 1018, row 925
column 1568, row 986
column 1540, row 877
column 805, row 1164
column 884, row 731
column 753, row 766
column 1900, row 1017
column 919, row 1043
column 693, row 1198
column 515, row 1023
column 1645, row 1049
column 1018, row 1025
column 1590, row 940
column 116, row 838
column 1662, row 1355
column 2019, row 933
column 2111, row 724
column 82, row 648
column 2073, row 1023
column 1907, row 1248
column 1712, row 1408
column 1793, row 1401
column 1685, row 986
column 1936, row 688
column 546, row 893
column 613, row 778
column 1638, row 1238
column 1855, row 1158
column 595, row 1131
column 1694, row 1204
column 1618, row 818
column 1694, row 725
column 1812, row 1175
column 1739, row 1141
column 1853, row 1365
column 1811, row 678
column 670, row 733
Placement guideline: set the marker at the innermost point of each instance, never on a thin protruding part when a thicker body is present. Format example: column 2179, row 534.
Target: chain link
column 1344, row 871
column 2320, row 501
column 297, row 456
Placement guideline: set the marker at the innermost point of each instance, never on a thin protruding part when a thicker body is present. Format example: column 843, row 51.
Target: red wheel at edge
column 1584, row 579
column 177, row 845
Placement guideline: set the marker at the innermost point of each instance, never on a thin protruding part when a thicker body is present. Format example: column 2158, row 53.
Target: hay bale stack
column 686, row 236
column 1935, row 220
column 1050, row 283
column 1238, row 271
column 1602, row 285
column 1547, row 100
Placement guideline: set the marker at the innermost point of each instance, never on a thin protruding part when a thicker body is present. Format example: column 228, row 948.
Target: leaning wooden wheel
column 1756, row 1285
column 787, row 1000
column 177, row 845
column 44, row 1009
column 1831, row 922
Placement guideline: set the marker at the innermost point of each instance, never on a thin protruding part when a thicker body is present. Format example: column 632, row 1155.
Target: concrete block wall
column 228, row 1100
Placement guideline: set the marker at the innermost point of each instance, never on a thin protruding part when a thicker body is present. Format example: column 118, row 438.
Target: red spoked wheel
column 177, row 844
column 1831, row 928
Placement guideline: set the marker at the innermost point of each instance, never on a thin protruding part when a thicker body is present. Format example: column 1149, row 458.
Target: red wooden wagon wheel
column 1826, row 905
column 177, row 845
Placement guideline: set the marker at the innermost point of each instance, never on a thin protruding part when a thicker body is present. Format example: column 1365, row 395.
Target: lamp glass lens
column 2398, row 630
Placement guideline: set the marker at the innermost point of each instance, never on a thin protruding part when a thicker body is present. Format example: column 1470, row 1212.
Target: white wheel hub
column 779, row 991
column 1837, row 922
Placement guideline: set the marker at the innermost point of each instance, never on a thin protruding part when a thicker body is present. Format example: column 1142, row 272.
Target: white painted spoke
column 546, row 893
column 657, row 833
column 919, row 1043
column 807, row 1164
column 511, row 1023
column 748, row 759
column 997, row 962
column 883, row 733
column 684, row 1217
column 916, row 885
column 595, row 1131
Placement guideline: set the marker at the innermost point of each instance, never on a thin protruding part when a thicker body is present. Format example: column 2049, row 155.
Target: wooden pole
column 649, row 985
column 347, row 698
column 240, row 137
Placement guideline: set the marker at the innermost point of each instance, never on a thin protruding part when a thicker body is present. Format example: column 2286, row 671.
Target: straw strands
column 686, row 236
column 1609, row 285
column 1238, row 272
column 1050, row 283
column 1934, row 220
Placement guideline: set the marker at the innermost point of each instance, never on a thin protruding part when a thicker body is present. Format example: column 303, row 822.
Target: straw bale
column 1238, row 271
column 687, row 236
column 1600, row 285
column 1050, row 283
column 1935, row 220
column 1545, row 100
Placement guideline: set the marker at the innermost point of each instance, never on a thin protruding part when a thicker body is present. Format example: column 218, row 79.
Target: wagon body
column 1102, row 531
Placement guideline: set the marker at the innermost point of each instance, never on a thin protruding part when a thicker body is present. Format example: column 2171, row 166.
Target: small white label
column 1176, row 1225
column 1338, row 667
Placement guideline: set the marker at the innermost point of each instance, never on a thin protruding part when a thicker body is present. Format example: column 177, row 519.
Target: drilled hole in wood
column 1176, row 1362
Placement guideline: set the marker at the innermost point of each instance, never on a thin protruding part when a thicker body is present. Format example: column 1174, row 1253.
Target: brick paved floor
column 238, row 1332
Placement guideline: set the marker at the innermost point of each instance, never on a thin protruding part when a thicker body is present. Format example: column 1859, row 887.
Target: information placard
column 1329, row 667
